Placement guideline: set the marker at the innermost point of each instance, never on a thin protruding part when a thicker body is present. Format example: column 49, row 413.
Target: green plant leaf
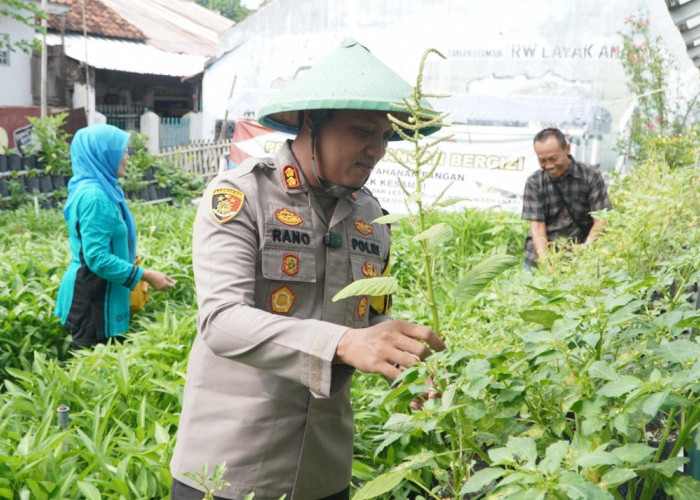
column 388, row 219
column 596, row 458
column 400, row 422
column 679, row 351
column 451, row 201
column 380, row 485
column 602, row 369
column 481, row 275
column 620, row 386
column 89, row 490
column 634, row 453
column 667, row 468
column 475, row 409
column 503, row 456
column 524, row 449
column 480, row 479
column 578, row 488
column 389, row 480
column 553, row 457
column 435, row 235
column 681, row 487
column 544, row 317
column 653, row 403
column 368, row 286
column 617, row 476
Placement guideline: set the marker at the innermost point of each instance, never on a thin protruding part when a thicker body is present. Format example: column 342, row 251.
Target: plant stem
column 650, row 484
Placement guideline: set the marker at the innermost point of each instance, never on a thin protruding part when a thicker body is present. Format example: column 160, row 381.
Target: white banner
column 485, row 167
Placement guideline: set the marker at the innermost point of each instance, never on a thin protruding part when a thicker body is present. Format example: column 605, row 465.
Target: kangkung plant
column 211, row 483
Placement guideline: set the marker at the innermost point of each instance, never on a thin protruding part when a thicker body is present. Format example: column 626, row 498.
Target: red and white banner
column 485, row 167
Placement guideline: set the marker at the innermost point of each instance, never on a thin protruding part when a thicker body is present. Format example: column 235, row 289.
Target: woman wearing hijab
column 93, row 299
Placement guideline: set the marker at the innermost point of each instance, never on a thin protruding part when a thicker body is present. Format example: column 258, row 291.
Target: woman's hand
column 160, row 281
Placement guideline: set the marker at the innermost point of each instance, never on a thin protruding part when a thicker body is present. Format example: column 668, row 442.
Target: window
column 4, row 52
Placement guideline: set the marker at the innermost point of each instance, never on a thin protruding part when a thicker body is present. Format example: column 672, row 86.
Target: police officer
column 269, row 374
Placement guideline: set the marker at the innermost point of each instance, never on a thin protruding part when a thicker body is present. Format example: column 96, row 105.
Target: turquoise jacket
column 93, row 299
column 100, row 266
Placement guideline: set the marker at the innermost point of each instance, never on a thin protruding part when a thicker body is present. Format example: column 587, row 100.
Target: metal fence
column 203, row 158
column 122, row 116
column 174, row 132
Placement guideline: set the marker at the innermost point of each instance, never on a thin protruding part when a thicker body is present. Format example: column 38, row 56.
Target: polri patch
column 290, row 264
column 369, row 270
column 362, row 306
column 282, row 300
column 362, row 227
column 287, row 217
column 226, row 203
column 291, row 176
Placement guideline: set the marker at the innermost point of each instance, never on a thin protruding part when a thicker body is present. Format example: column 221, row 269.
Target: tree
column 24, row 12
column 227, row 8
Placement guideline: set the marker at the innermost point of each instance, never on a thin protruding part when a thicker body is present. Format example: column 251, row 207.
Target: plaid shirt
column 584, row 190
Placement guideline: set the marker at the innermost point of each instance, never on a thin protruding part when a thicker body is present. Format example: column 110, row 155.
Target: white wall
column 15, row 79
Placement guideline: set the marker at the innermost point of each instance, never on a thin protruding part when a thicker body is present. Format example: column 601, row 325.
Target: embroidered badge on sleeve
column 226, row 203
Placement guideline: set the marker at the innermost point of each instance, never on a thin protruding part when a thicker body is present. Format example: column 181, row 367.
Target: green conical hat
column 347, row 78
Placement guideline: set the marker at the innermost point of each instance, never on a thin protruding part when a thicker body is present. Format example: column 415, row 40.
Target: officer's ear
column 307, row 121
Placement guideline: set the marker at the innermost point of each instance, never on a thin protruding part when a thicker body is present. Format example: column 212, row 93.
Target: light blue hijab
column 96, row 152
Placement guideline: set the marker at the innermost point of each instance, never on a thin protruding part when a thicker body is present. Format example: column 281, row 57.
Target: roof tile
column 99, row 20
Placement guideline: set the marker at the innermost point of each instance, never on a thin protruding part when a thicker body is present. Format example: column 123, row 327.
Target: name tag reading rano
column 226, row 203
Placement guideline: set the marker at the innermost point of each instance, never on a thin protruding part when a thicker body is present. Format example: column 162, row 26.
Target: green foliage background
column 528, row 361
column 25, row 13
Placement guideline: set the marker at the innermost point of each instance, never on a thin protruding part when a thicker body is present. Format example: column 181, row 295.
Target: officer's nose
column 377, row 148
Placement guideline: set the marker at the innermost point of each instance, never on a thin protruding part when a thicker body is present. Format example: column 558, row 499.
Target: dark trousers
column 180, row 491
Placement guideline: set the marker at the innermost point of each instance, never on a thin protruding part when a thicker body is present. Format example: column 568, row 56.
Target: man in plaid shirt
column 558, row 198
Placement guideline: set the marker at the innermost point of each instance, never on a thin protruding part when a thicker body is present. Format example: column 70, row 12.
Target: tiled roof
column 99, row 20
column 180, row 26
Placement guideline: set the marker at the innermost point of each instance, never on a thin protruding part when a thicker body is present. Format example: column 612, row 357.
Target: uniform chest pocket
column 289, row 264
column 289, row 249
column 365, row 267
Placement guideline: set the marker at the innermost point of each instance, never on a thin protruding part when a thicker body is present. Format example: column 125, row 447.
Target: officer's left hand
column 387, row 348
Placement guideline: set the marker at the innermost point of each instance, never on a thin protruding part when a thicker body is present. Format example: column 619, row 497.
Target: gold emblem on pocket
column 287, row 217
column 362, row 306
column 369, row 270
column 282, row 300
column 290, row 264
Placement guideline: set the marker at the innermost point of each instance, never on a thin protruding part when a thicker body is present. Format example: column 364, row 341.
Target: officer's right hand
column 387, row 348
